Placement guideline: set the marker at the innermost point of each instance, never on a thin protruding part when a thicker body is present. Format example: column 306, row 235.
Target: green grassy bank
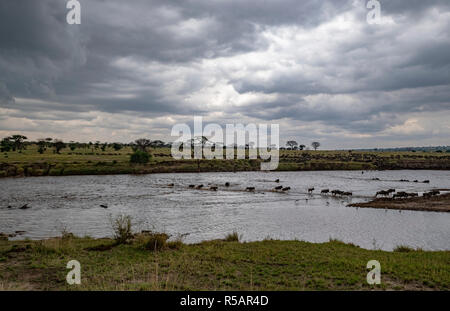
column 215, row 265
column 82, row 161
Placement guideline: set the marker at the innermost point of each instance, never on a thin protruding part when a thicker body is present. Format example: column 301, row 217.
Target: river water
column 73, row 203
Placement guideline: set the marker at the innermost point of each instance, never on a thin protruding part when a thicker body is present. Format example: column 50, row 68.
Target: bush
column 154, row 241
column 232, row 237
column 122, row 229
column 139, row 157
column 403, row 249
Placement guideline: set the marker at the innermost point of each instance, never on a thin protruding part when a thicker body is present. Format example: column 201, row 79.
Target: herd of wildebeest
column 383, row 193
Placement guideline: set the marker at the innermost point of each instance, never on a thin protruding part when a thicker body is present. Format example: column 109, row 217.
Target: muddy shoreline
column 440, row 203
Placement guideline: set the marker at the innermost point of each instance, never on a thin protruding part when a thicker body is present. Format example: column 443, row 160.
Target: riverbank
column 216, row 265
column 29, row 162
column 439, row 203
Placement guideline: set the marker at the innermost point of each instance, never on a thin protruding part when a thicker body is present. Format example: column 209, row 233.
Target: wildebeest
column 325, row 191
column 434, row 192
column 347, row 193
column 337, row 192
column 415, row 180
column 250, row 189
column 213, row 188
column 382, row 192
column 310, row 190
column 277, row 180
column 286, row 188
column 431, row 193
column 104, row 205
column 400, row 194
column 227, row 184
column 278, row 188
column 199, row 187
column 25, row 206
column 391, row 190
column 404, row 180
column 171, row 185
column 191, row 186
column 426, row 181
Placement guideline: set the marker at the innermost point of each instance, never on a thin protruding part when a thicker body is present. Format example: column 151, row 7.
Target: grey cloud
column 72, row 71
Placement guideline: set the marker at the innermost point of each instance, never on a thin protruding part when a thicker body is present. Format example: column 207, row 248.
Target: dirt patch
column 439, row 203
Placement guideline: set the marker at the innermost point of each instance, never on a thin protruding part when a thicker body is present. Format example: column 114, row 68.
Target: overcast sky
column 135, row 68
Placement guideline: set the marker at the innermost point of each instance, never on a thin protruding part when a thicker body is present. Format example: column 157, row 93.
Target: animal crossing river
column 85, row 205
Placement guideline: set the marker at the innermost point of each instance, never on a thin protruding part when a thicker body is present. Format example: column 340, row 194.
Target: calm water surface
column 73, row 203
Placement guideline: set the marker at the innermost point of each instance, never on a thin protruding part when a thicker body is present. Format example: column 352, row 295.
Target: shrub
column 154, row 241
column 403, row 249
column 139, row 157
column 232, row 237
column 121, row 226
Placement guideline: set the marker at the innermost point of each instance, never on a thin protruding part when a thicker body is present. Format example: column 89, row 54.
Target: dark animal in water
column 336, row 192
column 279, row 188
column 382, row 192
column 433, row 192
column 227, row 184
column 199, row 187
column 310, row 190
column 325, row 191
column 250, row 189
column 103, row 205
column 347, row 193
column 426, row 181
column 171, row 185
column 400, row 194
column 286, row 188
column 214, row 188
column 415, row 180
column 404, row 180
column 376, row 178
column 277, row 180
column 9, row 206
column 25, row 206
column 191, row 186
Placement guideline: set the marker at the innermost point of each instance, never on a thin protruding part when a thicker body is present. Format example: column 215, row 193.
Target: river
column 72, row 203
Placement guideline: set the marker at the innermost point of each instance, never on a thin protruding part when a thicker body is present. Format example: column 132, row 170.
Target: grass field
column 216, row 265
column 91, row 161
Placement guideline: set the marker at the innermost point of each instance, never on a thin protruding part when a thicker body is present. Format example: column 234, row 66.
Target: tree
column 292, row 144
column 18, row 142
column 72, row 145
column 42, row 144
column 117, row 146
column 6, row 144
column 58, row 145
column 315, row 145
column 141, row 144
column 301, row 147
column 139, row 157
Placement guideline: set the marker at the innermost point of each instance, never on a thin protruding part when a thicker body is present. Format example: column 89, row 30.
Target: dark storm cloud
column 301, row 61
